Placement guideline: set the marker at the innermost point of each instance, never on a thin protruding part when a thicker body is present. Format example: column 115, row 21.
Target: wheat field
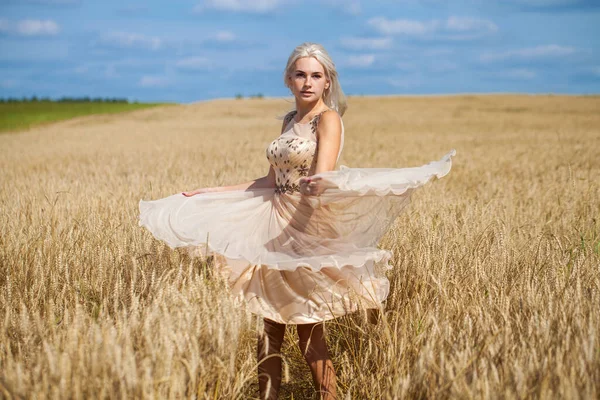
column 495, row 286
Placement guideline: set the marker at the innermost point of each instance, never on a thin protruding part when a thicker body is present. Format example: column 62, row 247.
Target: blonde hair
column 333, row 96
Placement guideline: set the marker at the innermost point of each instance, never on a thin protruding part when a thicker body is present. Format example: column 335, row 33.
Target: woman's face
column 308, row 80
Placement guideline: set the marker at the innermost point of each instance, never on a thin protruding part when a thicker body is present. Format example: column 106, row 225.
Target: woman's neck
column 304, row 109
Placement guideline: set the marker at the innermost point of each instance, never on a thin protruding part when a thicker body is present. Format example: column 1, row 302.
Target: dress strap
column 289, row 116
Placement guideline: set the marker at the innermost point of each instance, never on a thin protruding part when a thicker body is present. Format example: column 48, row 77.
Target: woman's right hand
column 311, row 186
column 197, row 191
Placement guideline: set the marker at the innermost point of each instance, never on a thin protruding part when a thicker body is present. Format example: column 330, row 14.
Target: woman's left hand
column 311, row 186
column 198, row 191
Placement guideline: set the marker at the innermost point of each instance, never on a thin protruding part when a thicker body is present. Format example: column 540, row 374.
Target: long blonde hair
column 333, row 96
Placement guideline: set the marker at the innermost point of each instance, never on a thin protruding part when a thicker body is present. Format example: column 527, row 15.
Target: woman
column 298, row 245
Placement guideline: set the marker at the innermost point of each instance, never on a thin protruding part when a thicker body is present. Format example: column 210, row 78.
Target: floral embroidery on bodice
column 293, row 154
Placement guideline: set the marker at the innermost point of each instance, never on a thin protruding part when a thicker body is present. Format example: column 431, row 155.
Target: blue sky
column 185, row 50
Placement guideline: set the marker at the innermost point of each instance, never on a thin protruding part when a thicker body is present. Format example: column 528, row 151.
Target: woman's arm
column 329, row 138
column 267, row 181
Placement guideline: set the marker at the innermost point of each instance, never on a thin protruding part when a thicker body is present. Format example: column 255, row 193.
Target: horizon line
column 254, row 97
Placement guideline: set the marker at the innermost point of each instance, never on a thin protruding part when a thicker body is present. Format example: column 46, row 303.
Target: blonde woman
column 298, row 245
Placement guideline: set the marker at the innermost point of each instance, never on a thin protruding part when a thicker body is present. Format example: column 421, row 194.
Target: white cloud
column 225, row 36
column 547, row 51
column 467, row 24
column 29, row 27
column 150, row 81
column 455, row 28
column 361, row 61
column 244, row 6
column 193, row 63
column 357, row 43
column 131, row 40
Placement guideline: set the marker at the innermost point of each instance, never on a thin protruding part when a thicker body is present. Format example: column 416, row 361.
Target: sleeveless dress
column 295, row 258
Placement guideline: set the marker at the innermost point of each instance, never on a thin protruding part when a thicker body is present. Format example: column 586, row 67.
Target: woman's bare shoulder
column 330, row 118
column 330, row 123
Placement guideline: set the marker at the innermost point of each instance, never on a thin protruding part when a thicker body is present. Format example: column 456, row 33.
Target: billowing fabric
column 294, row 258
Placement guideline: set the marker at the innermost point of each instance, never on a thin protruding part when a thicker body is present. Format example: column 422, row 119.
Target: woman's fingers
column 192, row 193
column 310, row 179
column 310, row 188
column 311, row 185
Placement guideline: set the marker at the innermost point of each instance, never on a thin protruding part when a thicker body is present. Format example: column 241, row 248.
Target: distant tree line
column 65, row 99
column 240, row 96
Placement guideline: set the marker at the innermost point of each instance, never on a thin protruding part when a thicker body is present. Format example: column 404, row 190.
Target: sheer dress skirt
column 292, row 258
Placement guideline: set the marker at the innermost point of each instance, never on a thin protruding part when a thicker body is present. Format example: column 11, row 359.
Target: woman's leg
column 314, row 349
column 269, row 369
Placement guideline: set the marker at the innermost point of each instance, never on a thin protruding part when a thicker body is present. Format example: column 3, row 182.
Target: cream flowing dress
column 293, row 258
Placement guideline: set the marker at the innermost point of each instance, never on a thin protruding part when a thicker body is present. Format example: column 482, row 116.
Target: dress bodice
column 294, row 153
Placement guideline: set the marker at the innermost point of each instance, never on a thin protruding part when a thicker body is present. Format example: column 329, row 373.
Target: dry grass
column 495, row 290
